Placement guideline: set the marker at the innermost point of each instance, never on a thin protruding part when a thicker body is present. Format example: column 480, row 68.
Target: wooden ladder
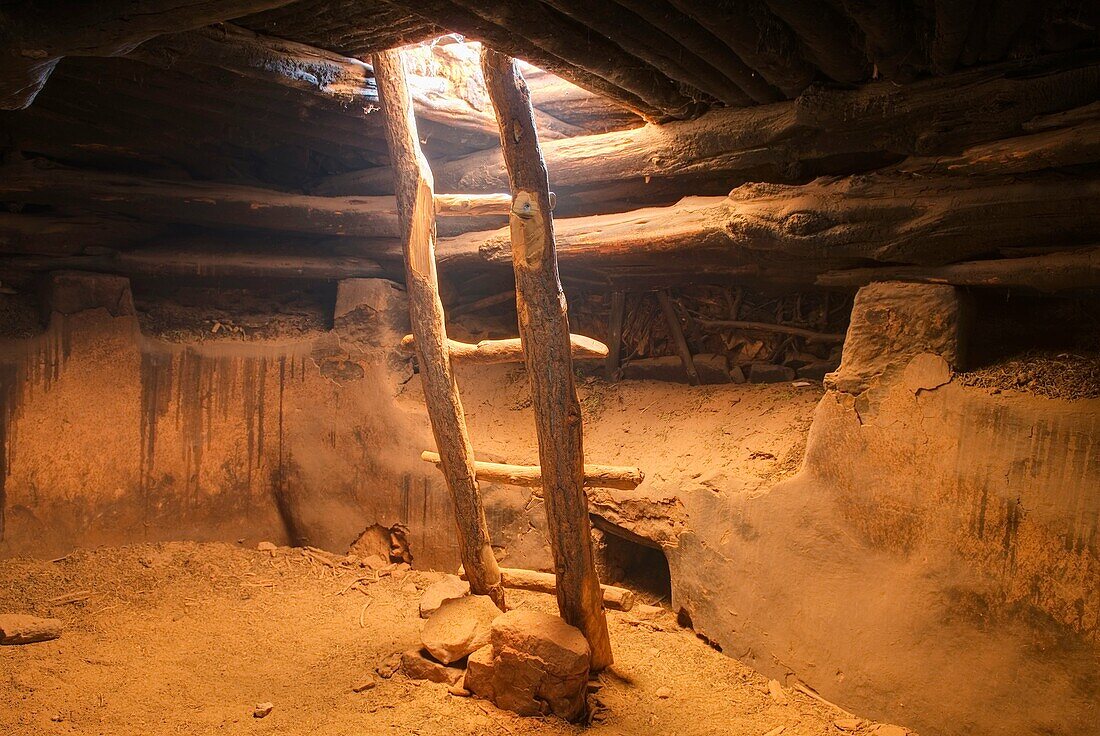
column 544, row 344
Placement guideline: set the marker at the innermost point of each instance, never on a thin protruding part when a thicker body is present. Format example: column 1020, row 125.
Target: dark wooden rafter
column 782, row 142
column 38, row 35
column 828, row 38
column 692, row 35
column 757, row 37
column 544, row 330
column 651, row 44
column 417, row 211
column 551, row 41
column 891, row 31
column 953, row 19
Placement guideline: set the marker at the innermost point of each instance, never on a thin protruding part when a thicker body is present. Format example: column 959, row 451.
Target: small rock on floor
column 446, row 589
column 418, row 665
column 459, row 627
column 17, row 628
column 663, row 693
column 364, row 685
column 262, row 710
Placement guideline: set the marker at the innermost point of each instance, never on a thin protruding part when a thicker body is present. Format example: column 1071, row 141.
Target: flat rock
column 17, row 628
column 712, row 368
column 417, row 664
column 459, row 627
column 770, row 373
column 262, row 709
column 448, row 588
column 540, row 665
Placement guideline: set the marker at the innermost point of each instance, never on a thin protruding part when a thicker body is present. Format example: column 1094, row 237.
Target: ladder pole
column 416, row 211
column 544, row 331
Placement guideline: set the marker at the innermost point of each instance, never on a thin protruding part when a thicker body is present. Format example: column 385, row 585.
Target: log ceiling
column 134, row 125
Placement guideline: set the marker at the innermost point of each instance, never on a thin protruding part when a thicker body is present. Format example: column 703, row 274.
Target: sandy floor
column 186, row 639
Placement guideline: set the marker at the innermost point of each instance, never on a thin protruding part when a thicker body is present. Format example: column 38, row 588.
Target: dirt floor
column 187, row 638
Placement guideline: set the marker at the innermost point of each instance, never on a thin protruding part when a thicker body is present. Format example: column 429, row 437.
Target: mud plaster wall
column 110, row 436
column 934, row 563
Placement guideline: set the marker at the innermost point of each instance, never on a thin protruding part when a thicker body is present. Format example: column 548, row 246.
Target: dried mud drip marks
column 186, row 392
column 38, row 362
column 1008, row 535
column 9, row 375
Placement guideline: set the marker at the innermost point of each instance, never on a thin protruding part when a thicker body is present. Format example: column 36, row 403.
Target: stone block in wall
column 373, row 313
column 710, row 368
column 892, row 322
column 72, row 292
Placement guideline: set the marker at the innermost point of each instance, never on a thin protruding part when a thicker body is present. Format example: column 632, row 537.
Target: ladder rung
column 595, row 476
column 472, row 205
column 614, row 597
column 507, row 351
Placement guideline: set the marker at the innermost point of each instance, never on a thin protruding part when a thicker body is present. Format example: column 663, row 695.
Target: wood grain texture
column 595, row 476
column 416, row 208
column 486, row 352
column 544, row 329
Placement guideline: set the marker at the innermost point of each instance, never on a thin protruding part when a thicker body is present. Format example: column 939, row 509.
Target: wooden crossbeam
column 595, row 476
column 614, row 597
column 544, row 329
column 416, row 211
column 486, row 352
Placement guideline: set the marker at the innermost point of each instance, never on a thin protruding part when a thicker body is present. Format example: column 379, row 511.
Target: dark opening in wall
column 627, row 563
column 1039, row 343
column 389, row 543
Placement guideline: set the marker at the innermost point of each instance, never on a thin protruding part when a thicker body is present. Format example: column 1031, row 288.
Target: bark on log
column 887, row 217
column 544, row 329
column 487, row 352
column 780, row 142
column 615, row 598
column 1050, row 149
column 16, row 628
column 54, row 235
column 415, row 205
column 829, row 39
column 220, row 205
column 38, row 35
column 1051, row 272
column 530, row 476
column 159, row 261
column 265, row 58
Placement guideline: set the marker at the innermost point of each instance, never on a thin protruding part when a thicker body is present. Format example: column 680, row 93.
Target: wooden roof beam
column 38, row 35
